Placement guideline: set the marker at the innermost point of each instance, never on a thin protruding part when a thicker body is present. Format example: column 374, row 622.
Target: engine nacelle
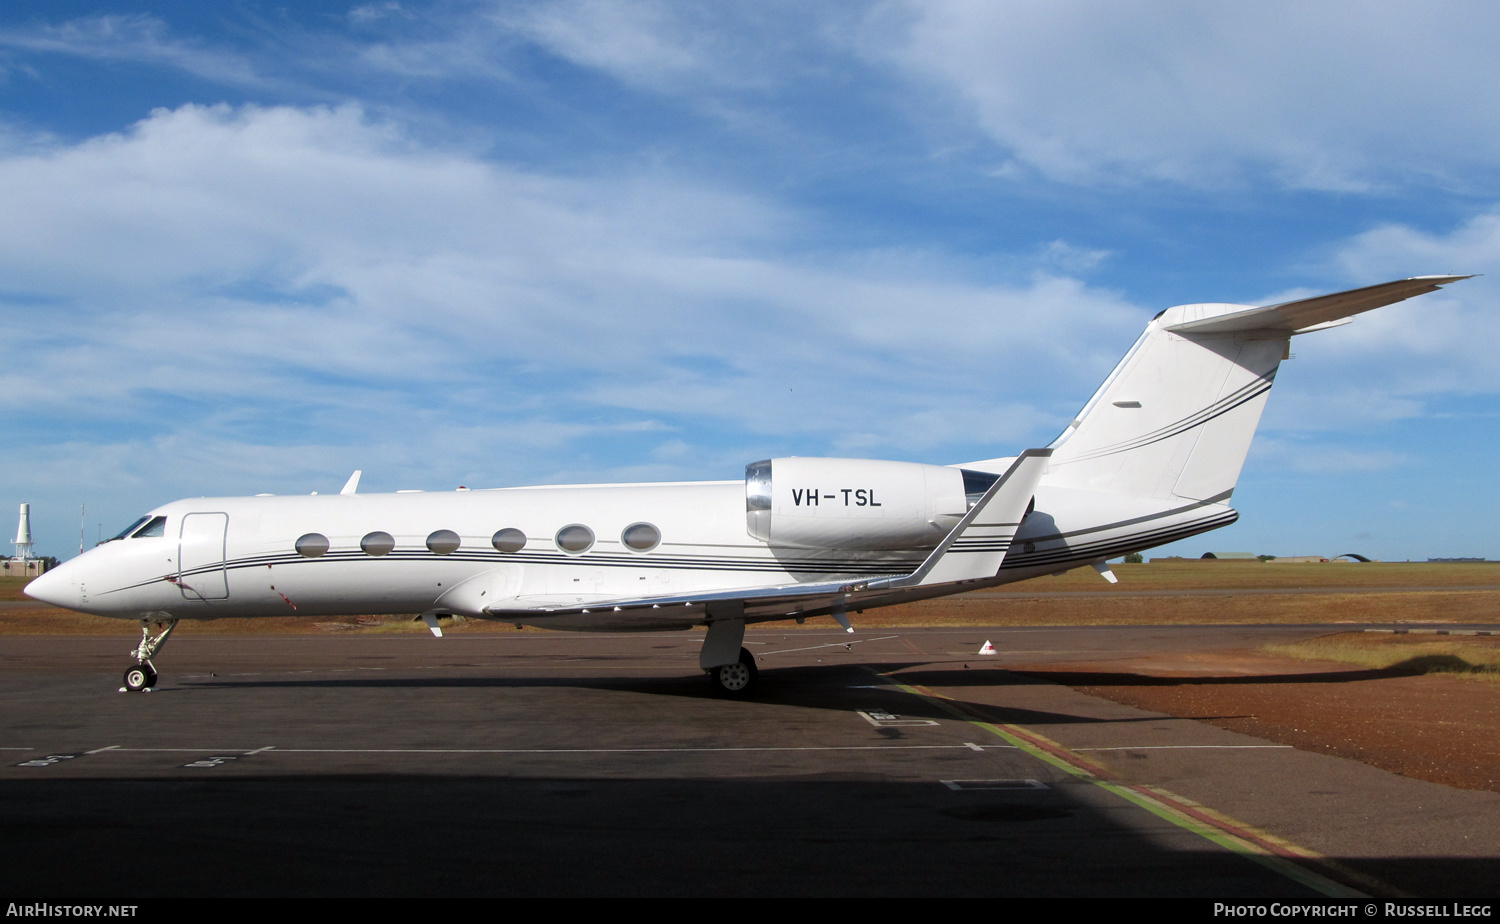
column 856, row 503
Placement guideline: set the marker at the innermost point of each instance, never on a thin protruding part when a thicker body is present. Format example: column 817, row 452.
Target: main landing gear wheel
column 736, row 679
column 139, row 678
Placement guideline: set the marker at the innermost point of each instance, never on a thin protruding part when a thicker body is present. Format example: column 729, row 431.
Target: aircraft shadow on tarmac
column 831, row 687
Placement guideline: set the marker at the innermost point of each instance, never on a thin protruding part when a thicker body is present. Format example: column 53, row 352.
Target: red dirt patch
column 1429, row 727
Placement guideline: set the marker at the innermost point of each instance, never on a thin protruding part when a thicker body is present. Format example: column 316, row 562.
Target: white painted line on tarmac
column 852, row 641
column 209, row 763
column 51, row 759
column 268, row 747
column 882, row 719
column 125, row 750
column 47, row 761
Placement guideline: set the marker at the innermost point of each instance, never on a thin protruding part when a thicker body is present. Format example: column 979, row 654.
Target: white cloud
column 1292, row 94
column 374, row 12
column 692, row 50
column 1402, row 361
column 135, row 37
column 1472, row 247
column 1442, row 342
column 1066, row 258
column 1321, row 96
column 305, row 278
column 1272, row 454
column 635, row 40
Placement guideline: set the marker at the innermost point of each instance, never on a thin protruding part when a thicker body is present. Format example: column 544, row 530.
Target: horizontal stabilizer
column 1317, row 311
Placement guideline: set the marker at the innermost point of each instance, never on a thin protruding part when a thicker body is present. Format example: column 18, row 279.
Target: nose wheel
column 142, row 677
column 736, row 679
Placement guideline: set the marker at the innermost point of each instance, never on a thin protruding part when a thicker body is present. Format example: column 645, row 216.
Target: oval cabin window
column 312, row 545
column 508, row 540
column 641, row 537
column 377, row 543
column 575, row 538
column 443, row 541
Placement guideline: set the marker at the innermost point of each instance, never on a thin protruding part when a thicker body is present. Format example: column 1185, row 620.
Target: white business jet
column 1153, row 457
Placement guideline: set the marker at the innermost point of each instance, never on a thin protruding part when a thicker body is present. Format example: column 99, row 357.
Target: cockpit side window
column 152, row 530
column 129, row 529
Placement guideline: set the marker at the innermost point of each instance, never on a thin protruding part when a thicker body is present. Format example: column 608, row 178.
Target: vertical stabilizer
column 1174, row 420
column 1176, row 417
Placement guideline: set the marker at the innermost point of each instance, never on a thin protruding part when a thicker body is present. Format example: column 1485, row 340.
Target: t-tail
column 1159, row 448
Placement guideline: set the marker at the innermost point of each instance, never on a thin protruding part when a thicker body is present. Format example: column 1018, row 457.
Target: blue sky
column 249, row 248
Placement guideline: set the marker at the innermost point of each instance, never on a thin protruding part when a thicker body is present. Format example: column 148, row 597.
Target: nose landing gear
column 139, row 678
column 142, row 677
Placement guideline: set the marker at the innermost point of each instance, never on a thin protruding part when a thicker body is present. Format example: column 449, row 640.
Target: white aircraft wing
column 972, row 551
column 1319, row 311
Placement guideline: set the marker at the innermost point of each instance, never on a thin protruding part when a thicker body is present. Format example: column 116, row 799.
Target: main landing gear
column 736, row 679
column 728, row 664
column 142, row 677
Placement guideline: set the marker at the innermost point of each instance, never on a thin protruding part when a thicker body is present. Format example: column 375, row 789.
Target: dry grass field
column 1223, row 593
column 1186, row 592
column 1474, row 658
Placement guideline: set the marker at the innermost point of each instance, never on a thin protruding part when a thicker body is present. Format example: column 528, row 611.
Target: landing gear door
column 200, row 556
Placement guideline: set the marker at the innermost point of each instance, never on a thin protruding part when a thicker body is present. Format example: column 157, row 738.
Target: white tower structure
column 23, row 534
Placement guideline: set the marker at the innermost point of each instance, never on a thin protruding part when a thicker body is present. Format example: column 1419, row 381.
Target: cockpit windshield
column 156, row 528
column 145, row 527
column 129, row 529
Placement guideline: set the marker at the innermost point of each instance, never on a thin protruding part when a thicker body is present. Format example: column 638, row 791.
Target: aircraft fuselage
column 238, row 556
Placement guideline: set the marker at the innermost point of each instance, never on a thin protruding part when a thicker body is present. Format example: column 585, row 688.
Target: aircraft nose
column 56, row 588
